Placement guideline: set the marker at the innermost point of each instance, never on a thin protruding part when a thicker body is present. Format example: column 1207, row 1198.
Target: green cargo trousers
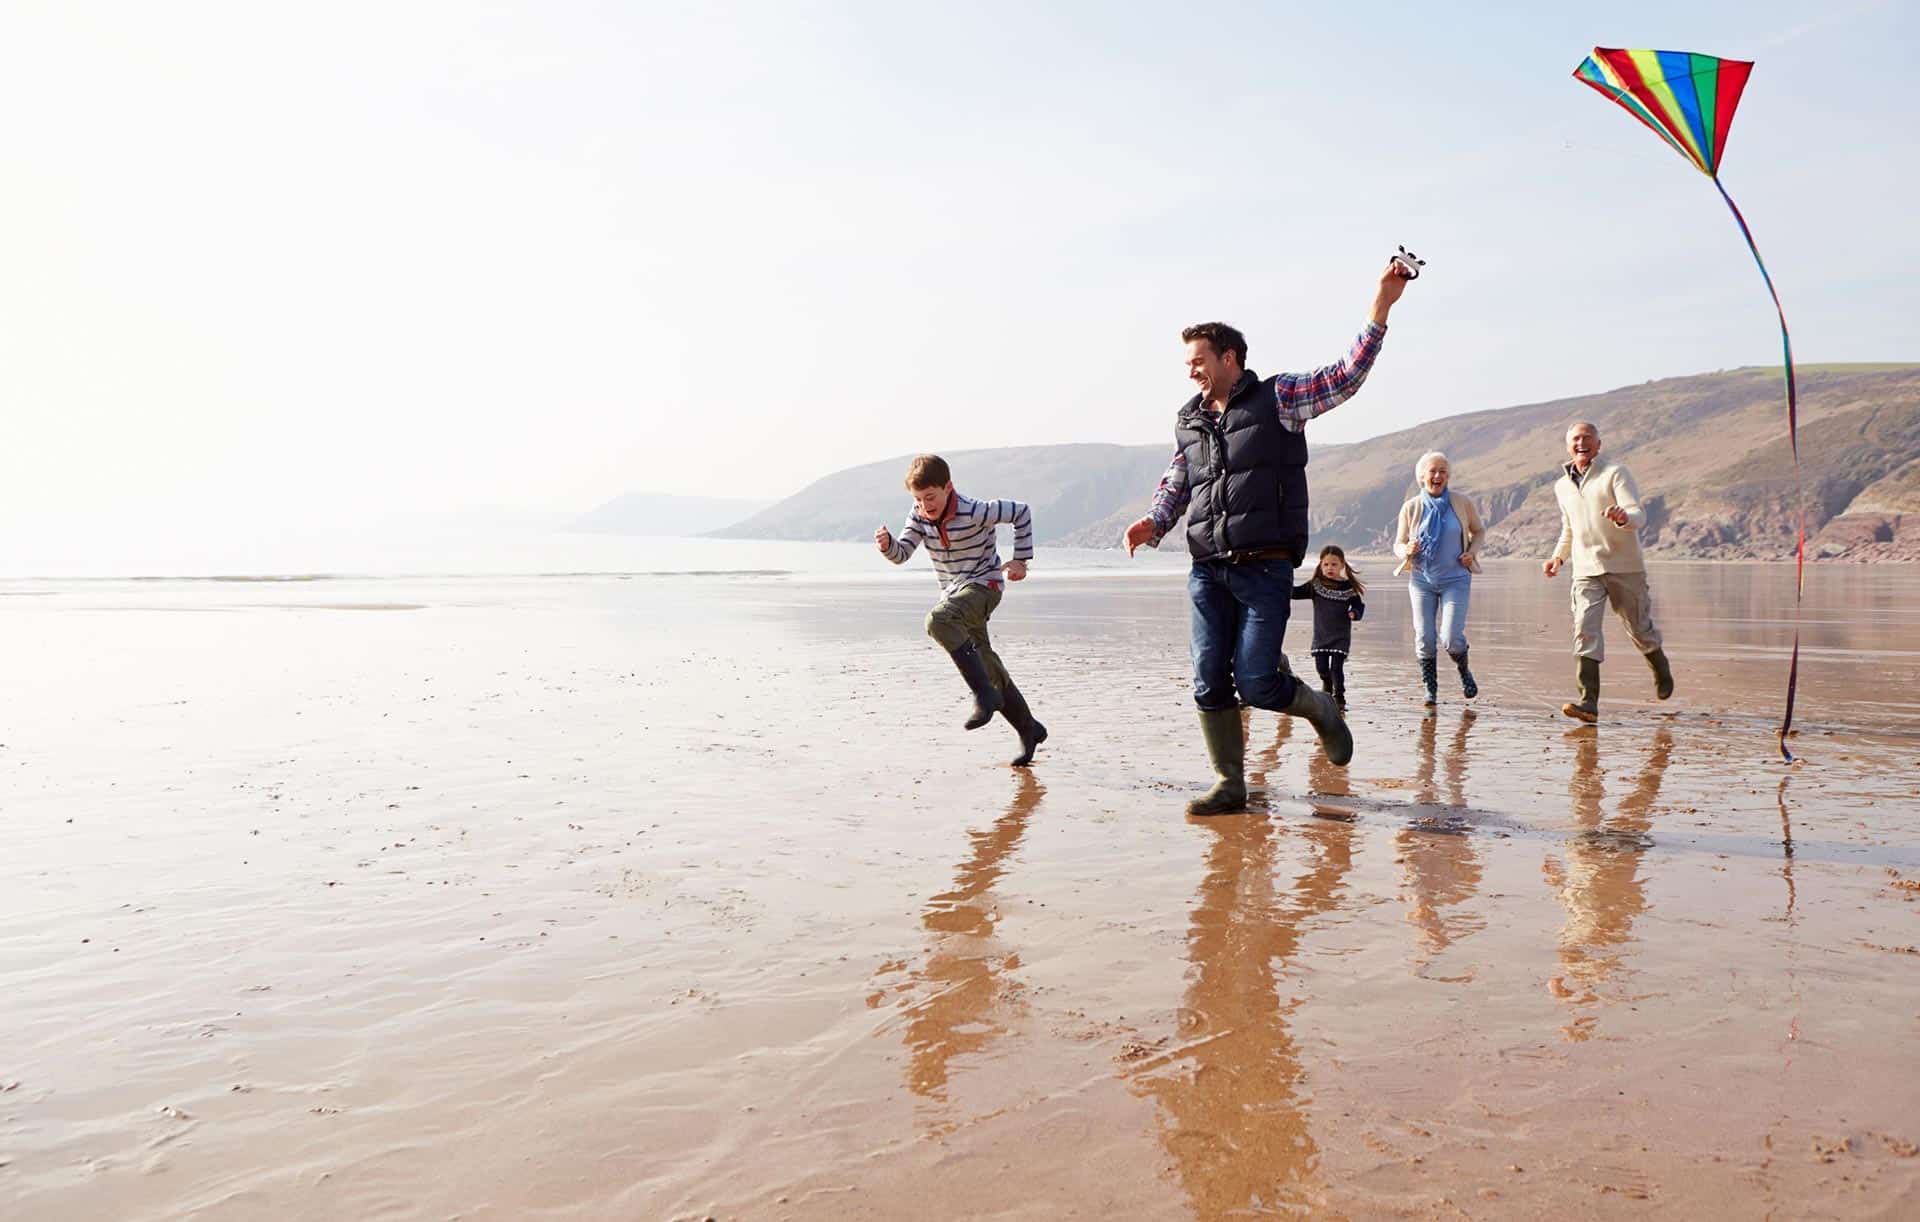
column 961, row 617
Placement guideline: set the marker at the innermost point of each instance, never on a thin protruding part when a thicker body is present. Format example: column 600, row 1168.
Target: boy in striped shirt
column 959, row 534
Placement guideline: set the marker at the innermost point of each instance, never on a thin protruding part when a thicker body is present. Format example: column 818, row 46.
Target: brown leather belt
column 1259, row 553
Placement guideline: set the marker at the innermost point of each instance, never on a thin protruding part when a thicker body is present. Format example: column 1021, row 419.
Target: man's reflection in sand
column 1324, row 780
column 1442, row 871
column 1326, row 785
column 1600, row 883
column 1232, row 1114
column 963, row 994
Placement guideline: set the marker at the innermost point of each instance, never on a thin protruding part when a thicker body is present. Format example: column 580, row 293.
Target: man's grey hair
column 1583, row 424
column 1427, row 460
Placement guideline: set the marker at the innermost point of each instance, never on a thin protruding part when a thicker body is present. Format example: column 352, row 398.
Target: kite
column 1688, row 100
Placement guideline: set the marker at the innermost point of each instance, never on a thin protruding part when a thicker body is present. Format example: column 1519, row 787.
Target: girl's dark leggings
column 1333, row 670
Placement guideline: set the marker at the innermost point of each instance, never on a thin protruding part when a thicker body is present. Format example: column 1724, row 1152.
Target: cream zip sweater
column 1594, row 544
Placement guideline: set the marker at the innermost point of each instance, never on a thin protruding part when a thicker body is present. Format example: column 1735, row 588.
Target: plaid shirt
column 1298, row 397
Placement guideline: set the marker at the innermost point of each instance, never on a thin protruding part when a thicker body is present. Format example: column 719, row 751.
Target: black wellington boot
column 1587, row 708
column 1021, row 718
column 973, row 668
column 1468, row 687
column 1430, row 676
column 1662, row 674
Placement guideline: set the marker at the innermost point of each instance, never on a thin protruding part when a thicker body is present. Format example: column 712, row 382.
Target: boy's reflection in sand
column 1442, row 870
column 964, row 995
column 1232, row 1113
column 1600, row 883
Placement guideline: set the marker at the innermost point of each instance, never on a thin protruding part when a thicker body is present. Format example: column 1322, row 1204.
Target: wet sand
column 677, row 897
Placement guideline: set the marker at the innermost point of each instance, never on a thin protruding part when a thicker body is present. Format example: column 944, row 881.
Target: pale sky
column 267, row 263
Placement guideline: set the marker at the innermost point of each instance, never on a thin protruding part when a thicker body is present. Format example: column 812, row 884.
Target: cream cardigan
column 1471, row 531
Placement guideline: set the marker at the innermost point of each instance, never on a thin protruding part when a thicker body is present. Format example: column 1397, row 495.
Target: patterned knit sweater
column 1332, row 625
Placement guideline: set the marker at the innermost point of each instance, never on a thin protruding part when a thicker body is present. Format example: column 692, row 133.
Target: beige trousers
column 1627, row 594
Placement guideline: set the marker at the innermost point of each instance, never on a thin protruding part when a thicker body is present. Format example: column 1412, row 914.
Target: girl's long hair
column 1332, row 549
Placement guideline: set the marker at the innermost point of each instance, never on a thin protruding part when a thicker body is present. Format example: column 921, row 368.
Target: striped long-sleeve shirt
column 1298, row 397
column 961, row 544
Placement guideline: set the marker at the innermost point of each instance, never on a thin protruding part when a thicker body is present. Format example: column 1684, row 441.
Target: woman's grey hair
column 1427, row 460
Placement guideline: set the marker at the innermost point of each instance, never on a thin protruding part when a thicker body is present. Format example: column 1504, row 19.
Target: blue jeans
column 1445, row 603
column 1239, row 623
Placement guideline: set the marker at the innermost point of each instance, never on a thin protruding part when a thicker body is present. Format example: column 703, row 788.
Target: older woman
column 1438, row 535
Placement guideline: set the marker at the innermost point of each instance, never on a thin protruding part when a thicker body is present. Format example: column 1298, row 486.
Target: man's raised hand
column 1393, row 282
column 1138, row 533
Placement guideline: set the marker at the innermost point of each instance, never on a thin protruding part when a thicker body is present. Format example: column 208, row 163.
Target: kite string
column 1793, row 441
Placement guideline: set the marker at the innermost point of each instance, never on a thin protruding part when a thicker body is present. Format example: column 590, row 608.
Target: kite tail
column 1799, row 495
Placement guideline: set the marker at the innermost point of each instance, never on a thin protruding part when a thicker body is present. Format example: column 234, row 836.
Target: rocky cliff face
column 1881, row 523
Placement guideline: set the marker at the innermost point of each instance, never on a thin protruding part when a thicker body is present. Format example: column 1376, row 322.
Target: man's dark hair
column 1224, row 339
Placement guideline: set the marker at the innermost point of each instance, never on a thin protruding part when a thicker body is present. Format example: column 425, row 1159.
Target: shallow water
column 591, row 896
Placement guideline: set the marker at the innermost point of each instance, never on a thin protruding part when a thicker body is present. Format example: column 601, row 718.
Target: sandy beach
column 677, row 896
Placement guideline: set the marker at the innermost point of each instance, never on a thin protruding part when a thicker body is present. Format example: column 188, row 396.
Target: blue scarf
column 1434, row 512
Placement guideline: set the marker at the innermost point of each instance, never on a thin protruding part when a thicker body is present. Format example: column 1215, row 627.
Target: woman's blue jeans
column 1439, row 612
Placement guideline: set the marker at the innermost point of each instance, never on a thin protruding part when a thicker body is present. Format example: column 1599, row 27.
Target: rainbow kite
column 1688, row 100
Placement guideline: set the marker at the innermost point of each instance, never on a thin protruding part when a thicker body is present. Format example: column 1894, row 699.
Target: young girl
column 1336, row 591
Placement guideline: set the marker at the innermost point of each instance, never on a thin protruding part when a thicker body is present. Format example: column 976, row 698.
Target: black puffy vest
column 1248, row 475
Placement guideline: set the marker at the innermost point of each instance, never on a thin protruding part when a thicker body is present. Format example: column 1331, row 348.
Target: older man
column 1239, row 473
column 1600, row 521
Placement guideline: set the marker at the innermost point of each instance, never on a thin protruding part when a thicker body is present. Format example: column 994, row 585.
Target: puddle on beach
column 677, row 899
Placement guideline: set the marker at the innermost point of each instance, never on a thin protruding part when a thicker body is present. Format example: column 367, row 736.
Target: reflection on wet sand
column 711, row 840
column 1442, row 870
column 1324, row 780
column 1232, row 1114
column 1260, row 767
column 963, row 993
column 1786, row 846
column 1600, row 884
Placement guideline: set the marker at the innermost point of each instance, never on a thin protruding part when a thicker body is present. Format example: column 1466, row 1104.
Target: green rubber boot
column 1587, row 708
column 1662, row 673
column 1227, row 747
column 1323, row 711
